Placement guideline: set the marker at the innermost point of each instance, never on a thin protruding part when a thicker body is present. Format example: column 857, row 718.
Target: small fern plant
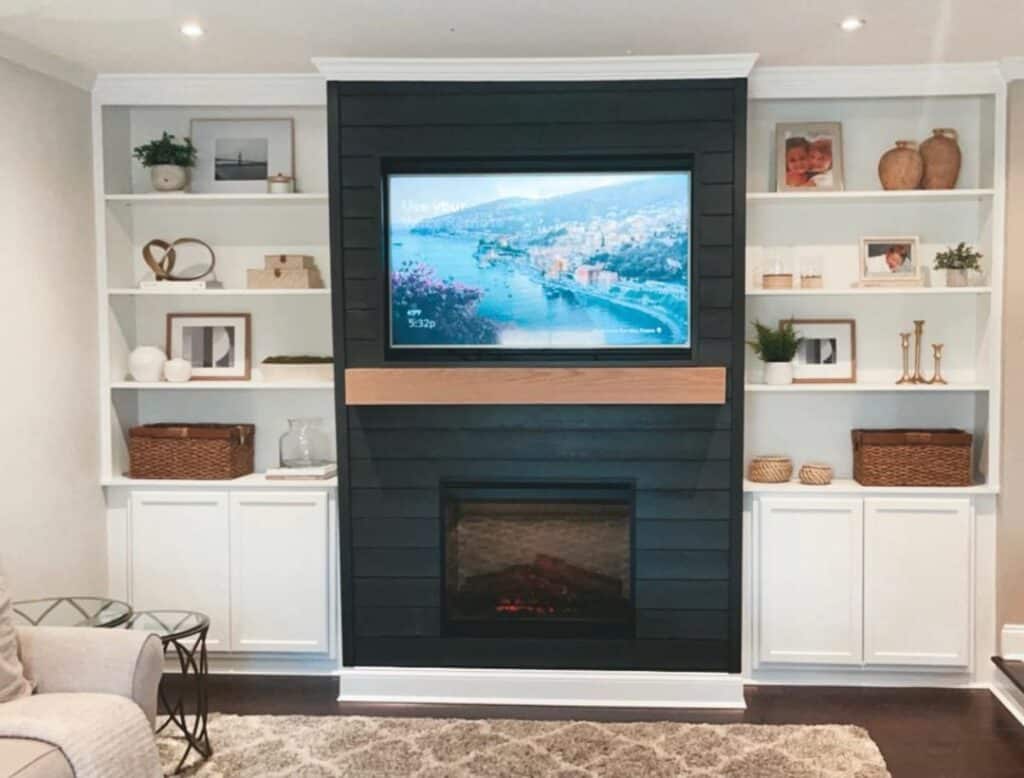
column 166, row 151
column 963, row 257
column 775, row 345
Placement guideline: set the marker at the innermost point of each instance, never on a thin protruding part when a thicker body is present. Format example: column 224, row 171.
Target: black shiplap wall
column 686, row 461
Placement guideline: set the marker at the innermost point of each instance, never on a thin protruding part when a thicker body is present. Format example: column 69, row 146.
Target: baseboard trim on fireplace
column 542, row 687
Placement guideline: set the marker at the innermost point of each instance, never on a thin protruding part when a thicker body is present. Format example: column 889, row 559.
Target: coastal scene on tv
column 540, row 260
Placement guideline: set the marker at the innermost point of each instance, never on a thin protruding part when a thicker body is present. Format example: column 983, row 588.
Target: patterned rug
column 359, row 747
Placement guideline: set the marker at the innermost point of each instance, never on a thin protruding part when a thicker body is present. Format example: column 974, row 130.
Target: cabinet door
column 917, row 581
column 808, row 566
column 179, row 556
column 279, row 571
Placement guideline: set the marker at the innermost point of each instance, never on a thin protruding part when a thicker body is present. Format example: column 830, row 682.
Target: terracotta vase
column 941, row 154
column 901, row 167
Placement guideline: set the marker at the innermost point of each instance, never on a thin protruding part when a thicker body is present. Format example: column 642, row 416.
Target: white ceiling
column 141, row 36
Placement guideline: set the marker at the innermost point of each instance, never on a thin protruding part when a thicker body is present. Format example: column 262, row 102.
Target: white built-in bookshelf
column 241, row 229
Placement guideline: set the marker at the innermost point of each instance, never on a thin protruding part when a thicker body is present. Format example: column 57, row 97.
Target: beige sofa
column 58, row 659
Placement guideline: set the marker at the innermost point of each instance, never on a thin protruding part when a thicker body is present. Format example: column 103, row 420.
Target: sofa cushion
column 21, row 758
column 12, row 676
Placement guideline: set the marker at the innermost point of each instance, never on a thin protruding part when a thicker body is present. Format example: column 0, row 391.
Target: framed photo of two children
column 809, row 157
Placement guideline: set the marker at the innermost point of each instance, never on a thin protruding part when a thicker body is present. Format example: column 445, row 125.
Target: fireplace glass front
column 538, row 561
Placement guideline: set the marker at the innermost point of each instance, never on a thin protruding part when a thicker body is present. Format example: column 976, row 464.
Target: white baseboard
column 541, row 687
column 1008, row 694
column 1011, row 642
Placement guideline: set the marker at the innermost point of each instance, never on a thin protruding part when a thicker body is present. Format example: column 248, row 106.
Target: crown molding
column 535, row 69
column 1012, row 68
column 967, row 78
column 28, row 56
column 258, row 89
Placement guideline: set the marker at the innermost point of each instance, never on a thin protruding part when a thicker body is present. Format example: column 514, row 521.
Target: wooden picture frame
column 827, row 352
column 809, row 141
column 199, row 348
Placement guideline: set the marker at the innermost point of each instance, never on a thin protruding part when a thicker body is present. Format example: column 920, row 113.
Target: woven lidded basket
column 199, row 452
column 770, row 469
column 902, row 457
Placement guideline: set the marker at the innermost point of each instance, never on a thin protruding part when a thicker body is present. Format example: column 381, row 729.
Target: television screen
column 581, row 260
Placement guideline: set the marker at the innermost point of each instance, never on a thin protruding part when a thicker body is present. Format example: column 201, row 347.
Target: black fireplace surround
column 571, row 537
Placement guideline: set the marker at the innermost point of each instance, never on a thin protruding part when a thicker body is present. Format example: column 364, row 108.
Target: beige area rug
column 359, row 747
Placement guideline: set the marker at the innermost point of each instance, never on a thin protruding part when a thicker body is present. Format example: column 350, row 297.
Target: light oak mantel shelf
column 535, row 386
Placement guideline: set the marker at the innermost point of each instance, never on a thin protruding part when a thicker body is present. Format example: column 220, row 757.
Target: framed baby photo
column 217, row 345
column 827, row 353
column 239, row 155
column 809, row 157
column 885, row 261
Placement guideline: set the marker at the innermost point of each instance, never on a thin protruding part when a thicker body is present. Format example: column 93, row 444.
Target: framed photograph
column 809, row 157
column 890, row 261
column 827, row 352
column 238, row 155
column 217, row 345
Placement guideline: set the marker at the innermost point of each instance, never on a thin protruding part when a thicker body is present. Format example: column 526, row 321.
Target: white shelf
column 851, row 388
column 849, row 486
column 172, row 292
column 204, row 386
column 912, row 195
column 254, row 481
column 242, row 198
column 854, row 291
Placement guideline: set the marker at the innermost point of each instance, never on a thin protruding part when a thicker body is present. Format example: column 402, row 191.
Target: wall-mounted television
column 539, row 261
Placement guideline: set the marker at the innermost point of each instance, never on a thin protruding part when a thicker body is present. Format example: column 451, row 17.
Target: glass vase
column 305, row 444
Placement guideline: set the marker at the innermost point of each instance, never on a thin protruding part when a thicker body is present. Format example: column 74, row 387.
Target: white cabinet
column 809, row 578
column 257, row 562
column 179, row 556
column 917, row 573
column 279, row 571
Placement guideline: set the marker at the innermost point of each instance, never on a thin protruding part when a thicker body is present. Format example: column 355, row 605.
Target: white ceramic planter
column 956, row 278
column 168, row 178
column 146, row 364
column 778, row 373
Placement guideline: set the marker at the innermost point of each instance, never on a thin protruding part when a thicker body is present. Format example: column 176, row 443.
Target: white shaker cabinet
column 917, row 581
column 808, row 580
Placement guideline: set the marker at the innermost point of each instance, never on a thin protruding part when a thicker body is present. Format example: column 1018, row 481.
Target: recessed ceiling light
column 191, row 30
column 851, row 24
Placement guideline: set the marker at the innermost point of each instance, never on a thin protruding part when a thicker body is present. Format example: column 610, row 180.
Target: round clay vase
column 146, row 364
column 177, row 371
column 168, row 178
column 956, row 277
column 941, row 155
column 901, row 167
column 778, row 373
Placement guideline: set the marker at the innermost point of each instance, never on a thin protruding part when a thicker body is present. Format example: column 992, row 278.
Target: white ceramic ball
column 177, row 370
column 146, row 364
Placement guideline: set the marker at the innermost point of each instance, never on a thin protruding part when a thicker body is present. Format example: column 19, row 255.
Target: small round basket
column 770, row 469
column 816, row 474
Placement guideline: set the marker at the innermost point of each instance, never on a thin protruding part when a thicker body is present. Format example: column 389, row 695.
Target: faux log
column 535, row 386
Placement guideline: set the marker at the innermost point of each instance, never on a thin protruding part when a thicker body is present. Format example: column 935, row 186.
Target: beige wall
column 52, row 535
column 1011, row 508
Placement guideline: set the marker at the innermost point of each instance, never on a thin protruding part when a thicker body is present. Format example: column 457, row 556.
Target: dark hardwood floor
column 923, row 733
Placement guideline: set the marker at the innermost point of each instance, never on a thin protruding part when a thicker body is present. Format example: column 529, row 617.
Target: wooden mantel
column 535, row 386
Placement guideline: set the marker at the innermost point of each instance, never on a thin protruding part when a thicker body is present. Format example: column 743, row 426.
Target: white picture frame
column 238, row 155
column 217, row 345
column 885, row 261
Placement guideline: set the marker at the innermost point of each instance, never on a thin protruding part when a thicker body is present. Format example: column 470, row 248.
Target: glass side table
column 183, row 634
column 72, row 612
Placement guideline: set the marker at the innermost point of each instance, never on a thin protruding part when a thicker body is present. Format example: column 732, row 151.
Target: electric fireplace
column 538, row 560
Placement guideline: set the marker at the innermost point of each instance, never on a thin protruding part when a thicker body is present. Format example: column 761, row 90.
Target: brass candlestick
column 937, row 356
column 905, row 345
column 917, row 378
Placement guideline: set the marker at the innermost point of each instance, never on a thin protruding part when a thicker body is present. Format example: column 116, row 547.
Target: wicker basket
column 200, row 452
column 912, row 457
column 770, row 469
column 816, row 474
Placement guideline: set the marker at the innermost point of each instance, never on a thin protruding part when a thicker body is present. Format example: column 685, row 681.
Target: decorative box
column 203, row 452
column 288, row 262
column 905, row 457
column 284, row 279
column 297, row 372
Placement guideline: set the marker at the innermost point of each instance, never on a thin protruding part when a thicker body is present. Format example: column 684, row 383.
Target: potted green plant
column 168, row 162
column 776, row 348
column 957, row 261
